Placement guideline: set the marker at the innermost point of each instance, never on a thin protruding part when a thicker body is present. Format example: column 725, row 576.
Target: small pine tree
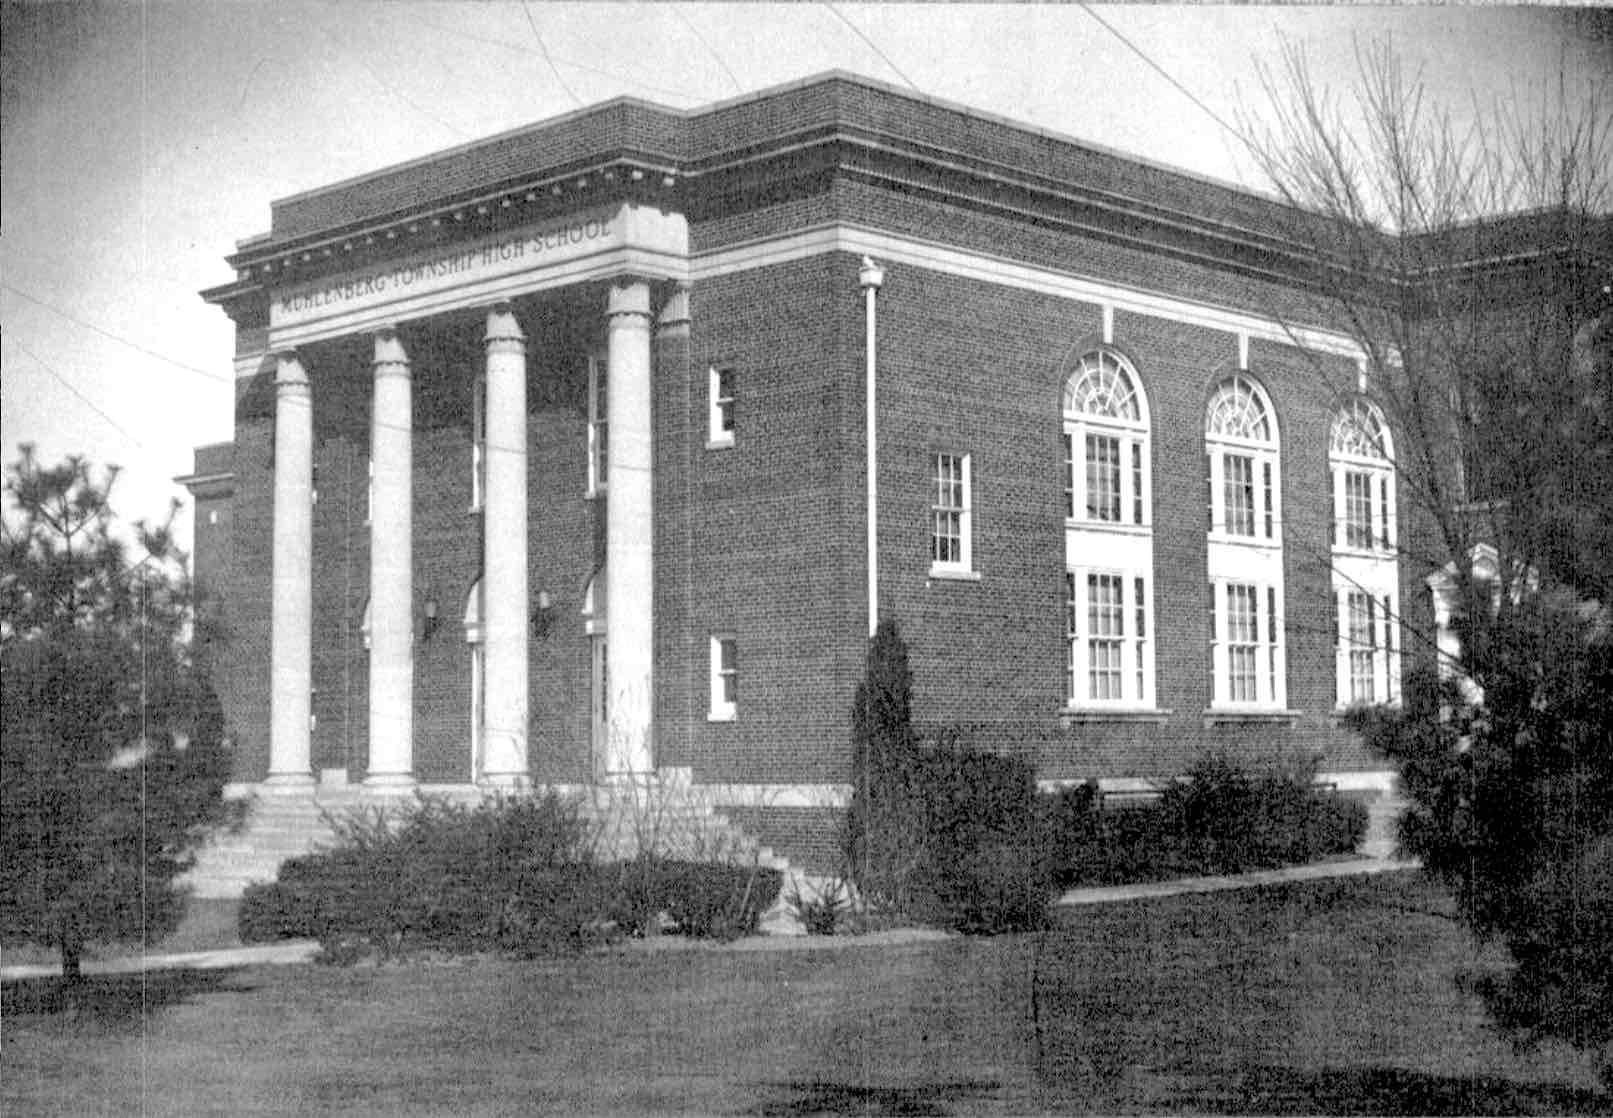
column 112, row 752
column 884, row 836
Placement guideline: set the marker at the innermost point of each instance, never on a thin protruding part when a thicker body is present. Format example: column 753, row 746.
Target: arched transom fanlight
column 1103, row 386
column 1359, row 432
column 1238, row 411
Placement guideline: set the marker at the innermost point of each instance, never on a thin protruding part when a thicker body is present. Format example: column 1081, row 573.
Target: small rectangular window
column 1069, row 475
column 478, row 441
column 1136, row 482
column 950, row 514
column 598, row 425
column 720, row 422
column 724, row 678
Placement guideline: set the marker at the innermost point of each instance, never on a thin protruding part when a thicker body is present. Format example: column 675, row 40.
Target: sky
column 141, row 141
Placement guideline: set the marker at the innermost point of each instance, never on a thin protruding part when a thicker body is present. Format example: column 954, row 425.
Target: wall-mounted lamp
column 428, row 617
column 543, row 615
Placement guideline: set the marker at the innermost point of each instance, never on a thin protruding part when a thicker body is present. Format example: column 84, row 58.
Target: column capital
column 390, row 356
column 871, row 275
column 289, row 375
column 629, row 296
column 675, row 311
column 504, row 329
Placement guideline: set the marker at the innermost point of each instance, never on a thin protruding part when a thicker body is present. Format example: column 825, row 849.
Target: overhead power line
column 87, row 402
column 711, row 50
column 1160, row 70
column 532, row 23
column 54, row 309
column 872, row 45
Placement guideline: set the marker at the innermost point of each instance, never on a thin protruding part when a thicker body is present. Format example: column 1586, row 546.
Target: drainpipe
column 871, row 277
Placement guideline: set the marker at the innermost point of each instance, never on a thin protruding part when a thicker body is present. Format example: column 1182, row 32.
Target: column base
column 505, row 782
column 400, row 783
column 287, row 784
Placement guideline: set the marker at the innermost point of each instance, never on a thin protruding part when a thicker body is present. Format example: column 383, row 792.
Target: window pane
column 1136, row 483
column 947, row 524
column 1238, row 493
column 1103, row 478
column 1357, row 509
column 1069, row 474
column 1243, row 637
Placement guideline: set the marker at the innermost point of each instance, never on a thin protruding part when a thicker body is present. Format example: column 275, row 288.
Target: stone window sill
column 1151, row 715
column 1233, row 717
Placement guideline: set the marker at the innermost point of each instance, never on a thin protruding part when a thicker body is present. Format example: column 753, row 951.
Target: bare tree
column 1471, row 259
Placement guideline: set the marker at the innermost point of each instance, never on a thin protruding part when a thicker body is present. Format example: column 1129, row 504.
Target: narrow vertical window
column 720, row 423
column 598, row 426
column 1243, row 643
column 1238, row 494
column 724, row 678
column 478, row 441
column 950, row 514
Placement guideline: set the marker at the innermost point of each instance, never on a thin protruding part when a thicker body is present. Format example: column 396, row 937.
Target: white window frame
column 723, row 708
column 598, row 425
column 720, row 421
column 475, row 642
column 1265, row 468
column 1130, row 433
column 1359, row 444
column 1381, row 646
column 1270, row 644
column 1237, row 559
column 963, row 565
column 478, row 441
column 1136, row 639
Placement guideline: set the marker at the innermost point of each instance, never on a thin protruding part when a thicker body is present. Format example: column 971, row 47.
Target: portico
column 628, row 262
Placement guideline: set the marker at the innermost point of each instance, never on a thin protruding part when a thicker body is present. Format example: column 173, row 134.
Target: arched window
column 1109, row 559
column 1105, row 443
column 1244, row 511
column 1366, row 573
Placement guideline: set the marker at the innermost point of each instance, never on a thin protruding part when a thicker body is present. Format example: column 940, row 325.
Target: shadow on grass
column 1279, row 1090
column 798, row 1100
column 111, row 999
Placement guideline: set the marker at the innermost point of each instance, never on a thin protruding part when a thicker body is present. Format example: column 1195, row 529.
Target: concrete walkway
column 303, row 951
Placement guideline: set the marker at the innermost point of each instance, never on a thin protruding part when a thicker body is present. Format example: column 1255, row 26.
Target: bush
column 821, row 915
column 985, row 867
column 707, row 900
column 940, row 833
column 506, row 875
column 1221, row 819
column 510, row 876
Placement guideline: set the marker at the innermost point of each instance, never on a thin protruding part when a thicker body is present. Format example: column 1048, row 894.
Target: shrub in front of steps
column 509, row 875
column 708, row 900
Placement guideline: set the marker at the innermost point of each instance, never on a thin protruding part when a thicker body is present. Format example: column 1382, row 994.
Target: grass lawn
column 1328, row 997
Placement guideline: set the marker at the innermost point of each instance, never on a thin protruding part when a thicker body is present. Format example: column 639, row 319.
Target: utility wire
column 1160, row 70
column 383, row 83
column 532, row 23
column 89, row 403
column 875, row 46
column 573, row 63
column 114, row 337
column 711, row 50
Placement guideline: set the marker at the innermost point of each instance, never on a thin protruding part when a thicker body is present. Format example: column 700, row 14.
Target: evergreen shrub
column 938, row 832
column 1222, row 818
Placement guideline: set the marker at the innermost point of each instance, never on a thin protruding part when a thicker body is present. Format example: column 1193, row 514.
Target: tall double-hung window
column 1366, row 572
column 1109, row 556
column 1248, row 654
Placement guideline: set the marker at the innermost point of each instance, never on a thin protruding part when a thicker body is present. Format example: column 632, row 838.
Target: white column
column 630, row 531
column 391, row 570
column 870, row 277
column 291, row 612
column 504, row 556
